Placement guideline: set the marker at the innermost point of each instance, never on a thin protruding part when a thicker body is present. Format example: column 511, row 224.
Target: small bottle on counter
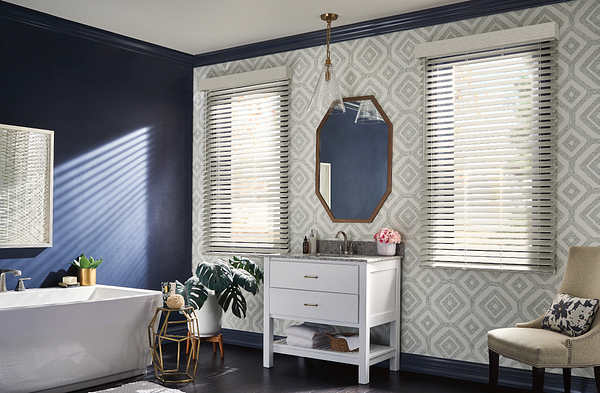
column 312, row 241
column 305, row 246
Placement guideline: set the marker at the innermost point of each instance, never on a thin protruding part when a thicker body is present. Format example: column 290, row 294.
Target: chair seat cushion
column 536, row 347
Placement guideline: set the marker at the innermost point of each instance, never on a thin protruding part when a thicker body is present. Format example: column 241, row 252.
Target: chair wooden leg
column 493, row 373
column 538, row 379
column 567, row 379
column 597, row 376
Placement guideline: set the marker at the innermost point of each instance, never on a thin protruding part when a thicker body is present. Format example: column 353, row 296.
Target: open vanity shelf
column 377, row 353
column 339, row 290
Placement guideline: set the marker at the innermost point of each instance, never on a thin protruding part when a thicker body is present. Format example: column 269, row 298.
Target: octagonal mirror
column 354, row 160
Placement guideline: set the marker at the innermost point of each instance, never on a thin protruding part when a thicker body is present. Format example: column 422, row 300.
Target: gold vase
column 86, row 276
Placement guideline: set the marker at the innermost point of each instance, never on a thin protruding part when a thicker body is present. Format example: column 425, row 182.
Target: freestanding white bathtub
column 64, row 339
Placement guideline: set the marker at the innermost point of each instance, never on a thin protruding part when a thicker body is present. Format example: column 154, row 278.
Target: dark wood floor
column 241, row 371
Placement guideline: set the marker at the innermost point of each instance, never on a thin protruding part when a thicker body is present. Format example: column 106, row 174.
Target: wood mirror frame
column 385, row 179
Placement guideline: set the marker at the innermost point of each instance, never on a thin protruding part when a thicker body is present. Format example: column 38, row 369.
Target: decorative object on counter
column 217, row 286
column 308, row 335
column 168, row 289
column 69, row 281
column 160, row 335
column 386, row 241
column 327, row 94
column 305, row 246
column 86, row 269
column 312, row 242
column 344, row 342
column 175, row 301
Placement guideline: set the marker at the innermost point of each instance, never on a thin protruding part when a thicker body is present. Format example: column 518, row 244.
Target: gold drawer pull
column 311, row 276
column 311, row 305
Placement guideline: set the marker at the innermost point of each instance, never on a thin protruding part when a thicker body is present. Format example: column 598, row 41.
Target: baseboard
column 458, row 369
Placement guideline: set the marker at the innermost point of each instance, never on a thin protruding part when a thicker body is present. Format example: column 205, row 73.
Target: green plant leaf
column 216, row 276
column 233, row 297
column 193, row 292
column 95, row 264
column 245, row 280
column 249, row 266
column 84, row 263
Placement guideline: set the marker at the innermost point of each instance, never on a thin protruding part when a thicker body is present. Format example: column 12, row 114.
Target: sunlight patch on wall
column 101, row 208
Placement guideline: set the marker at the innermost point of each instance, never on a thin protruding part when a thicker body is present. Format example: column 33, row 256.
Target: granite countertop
column 330, row 250
column 334, row 257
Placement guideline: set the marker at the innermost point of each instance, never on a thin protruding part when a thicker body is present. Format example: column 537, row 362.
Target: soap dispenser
column 312, row 240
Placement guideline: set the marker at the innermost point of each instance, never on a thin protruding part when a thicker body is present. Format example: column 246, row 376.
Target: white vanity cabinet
column 353, row 291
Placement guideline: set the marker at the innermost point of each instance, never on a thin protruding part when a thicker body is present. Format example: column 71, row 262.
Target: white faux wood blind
column 246, row 188
column 489, row 160
column 26, row 187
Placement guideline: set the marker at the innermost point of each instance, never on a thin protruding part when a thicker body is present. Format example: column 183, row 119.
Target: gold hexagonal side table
column 161, row 333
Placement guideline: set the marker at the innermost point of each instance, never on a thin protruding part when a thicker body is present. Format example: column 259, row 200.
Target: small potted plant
column 86, row 269
column 386, row 241
column 217, row 286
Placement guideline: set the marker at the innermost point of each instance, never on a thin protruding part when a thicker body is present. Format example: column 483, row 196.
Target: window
column 246, row 188
column 489, row 157
column 26, row 187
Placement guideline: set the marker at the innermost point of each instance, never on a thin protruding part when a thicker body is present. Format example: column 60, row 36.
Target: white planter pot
column 386, row 248
column 209, row 317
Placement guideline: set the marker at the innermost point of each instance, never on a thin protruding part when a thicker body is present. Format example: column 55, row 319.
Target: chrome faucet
column 345, row 248
column 15, row 272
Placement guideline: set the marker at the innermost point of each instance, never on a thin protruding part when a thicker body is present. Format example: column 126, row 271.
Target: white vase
column 209, row 317
column 386, row 248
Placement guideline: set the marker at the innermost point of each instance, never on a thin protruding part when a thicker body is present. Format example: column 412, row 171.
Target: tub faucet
column 15, row 272
column 345, row 248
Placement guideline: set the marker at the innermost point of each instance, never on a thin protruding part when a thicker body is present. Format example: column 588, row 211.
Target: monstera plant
column 224, row 280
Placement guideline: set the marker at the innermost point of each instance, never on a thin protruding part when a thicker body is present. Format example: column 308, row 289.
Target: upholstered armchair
column 539, row 347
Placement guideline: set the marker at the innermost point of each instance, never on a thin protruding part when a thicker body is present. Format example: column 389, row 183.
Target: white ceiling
column 200, row 26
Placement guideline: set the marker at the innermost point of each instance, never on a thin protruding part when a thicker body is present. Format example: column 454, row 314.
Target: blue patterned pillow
column 570, row 315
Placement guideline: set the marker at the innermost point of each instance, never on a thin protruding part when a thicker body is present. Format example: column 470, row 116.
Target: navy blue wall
column 358, row 154
column 122, row 124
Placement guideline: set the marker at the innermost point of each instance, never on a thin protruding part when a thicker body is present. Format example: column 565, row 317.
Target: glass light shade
column 327, row 94
column 368, row 113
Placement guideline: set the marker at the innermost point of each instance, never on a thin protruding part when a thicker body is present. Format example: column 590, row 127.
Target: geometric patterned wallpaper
column 445, row 313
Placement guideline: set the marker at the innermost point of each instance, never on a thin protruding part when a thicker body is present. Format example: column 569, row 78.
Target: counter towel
column 306, row 342
column 352, row 341
column 310, row 330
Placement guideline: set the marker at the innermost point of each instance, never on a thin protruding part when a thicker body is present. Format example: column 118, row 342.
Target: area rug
column 140, row 387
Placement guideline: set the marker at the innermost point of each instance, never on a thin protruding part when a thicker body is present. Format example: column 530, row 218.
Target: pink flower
column 386, row 235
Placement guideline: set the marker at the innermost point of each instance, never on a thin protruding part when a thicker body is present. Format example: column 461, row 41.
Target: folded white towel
column 352, row 341
column 310, row 330
column 306, row 342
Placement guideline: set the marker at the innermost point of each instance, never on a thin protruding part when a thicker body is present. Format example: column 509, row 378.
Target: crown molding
column 49, row 22
column 408, row 21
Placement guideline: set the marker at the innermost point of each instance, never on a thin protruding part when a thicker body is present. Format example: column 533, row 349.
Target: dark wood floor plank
column 241, row 371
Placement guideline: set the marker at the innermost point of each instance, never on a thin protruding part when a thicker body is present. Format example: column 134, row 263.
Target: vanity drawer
column 314, row 276
column 334, row 307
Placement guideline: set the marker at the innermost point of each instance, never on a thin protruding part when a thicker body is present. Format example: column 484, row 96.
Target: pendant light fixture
column 327, row 93
column 368, row 113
